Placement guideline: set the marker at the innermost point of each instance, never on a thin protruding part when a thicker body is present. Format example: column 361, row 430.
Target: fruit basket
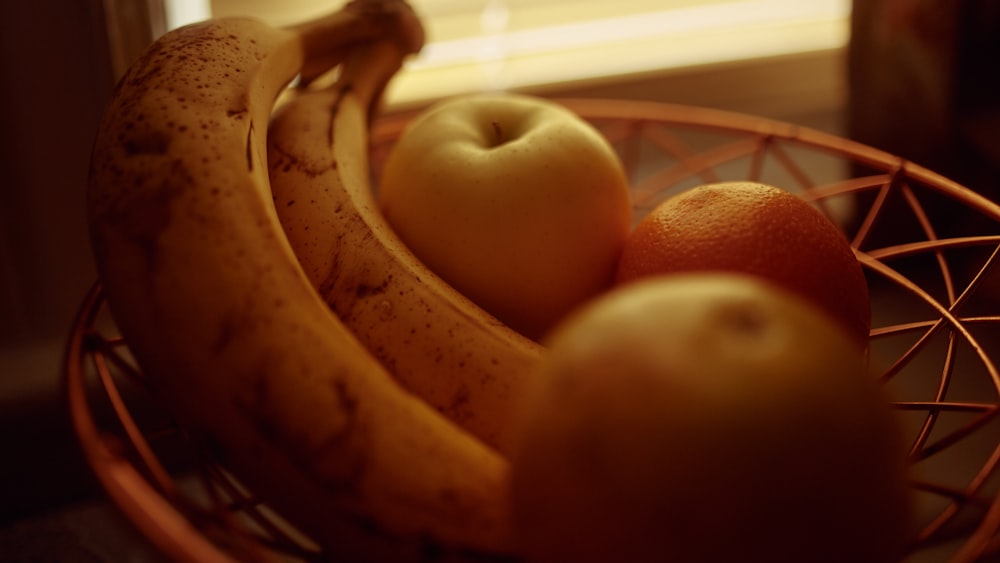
column 927, row 244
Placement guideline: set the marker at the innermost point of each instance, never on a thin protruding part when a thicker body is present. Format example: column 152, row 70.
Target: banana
column 437, row 343
column 230, row 332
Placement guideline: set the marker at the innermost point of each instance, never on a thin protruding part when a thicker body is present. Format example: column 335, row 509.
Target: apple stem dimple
column 498, row 133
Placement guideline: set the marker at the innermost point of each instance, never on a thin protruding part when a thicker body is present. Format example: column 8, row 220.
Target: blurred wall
column 923, row 84
column 53, row 64
column 55, row 80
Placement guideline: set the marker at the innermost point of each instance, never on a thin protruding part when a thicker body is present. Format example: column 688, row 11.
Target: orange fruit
column 755, row 229
column 707, row 418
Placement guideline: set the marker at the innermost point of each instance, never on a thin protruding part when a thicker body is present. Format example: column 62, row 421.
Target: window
column 476, row 45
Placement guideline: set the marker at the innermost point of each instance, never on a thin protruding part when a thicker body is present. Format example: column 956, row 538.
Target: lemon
column 708, row 418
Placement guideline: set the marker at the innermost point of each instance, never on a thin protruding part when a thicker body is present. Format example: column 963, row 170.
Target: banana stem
column 368, row 71
column 328, row 40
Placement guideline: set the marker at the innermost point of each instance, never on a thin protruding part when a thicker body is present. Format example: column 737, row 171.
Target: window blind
column 481, row 45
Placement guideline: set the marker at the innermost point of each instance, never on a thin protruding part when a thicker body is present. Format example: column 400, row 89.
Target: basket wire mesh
column 928, row 246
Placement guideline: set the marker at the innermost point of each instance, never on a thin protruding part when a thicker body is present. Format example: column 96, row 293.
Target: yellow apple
column 708, row 418
column 512, row 199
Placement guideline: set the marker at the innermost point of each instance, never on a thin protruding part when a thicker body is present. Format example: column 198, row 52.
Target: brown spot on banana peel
column 143, row 214
column 336, row 452
column 284, row 160
column 229, row 330
column 365, row 290
column 250, row 147
column 460, row 401
column 153, row 142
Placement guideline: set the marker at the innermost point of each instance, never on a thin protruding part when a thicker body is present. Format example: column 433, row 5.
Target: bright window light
column 182, row 12
column 479, row 45
column 678, row 22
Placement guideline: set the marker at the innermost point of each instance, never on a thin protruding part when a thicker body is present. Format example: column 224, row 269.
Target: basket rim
column 392, row 124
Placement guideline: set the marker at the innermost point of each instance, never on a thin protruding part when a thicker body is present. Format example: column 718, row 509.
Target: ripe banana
column 222, row 319
column 437, row 343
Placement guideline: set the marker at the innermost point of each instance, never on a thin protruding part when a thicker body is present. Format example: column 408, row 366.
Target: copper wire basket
column 927, row 245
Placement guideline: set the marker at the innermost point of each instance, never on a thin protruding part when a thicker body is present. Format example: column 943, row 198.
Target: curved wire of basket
column 936, row 329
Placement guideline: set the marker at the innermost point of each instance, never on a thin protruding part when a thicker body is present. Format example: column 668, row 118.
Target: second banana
column 435, row 341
